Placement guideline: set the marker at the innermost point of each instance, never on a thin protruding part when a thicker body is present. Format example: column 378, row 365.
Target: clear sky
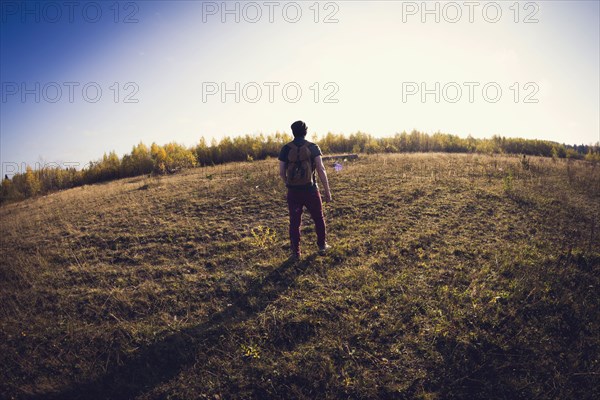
column 83, row 78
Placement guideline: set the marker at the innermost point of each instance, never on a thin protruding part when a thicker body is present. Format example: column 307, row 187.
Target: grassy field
column 451, row 276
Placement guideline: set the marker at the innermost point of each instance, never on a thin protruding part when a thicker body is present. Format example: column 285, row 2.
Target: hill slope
column 450, row 276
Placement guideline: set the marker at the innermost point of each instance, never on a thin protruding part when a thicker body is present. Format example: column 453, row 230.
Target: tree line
column 172, row 157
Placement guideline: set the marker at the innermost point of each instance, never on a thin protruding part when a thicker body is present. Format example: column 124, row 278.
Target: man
column 298, row 162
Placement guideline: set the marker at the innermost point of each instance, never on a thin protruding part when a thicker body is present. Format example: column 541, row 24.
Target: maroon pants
column 297, row 200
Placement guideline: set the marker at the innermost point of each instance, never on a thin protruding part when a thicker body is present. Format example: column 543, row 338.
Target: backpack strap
column 293, row 146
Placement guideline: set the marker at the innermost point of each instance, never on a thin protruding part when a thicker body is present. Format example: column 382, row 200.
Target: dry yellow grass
column 450, row 276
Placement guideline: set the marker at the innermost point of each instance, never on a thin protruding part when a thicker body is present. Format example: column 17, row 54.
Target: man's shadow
column 163, row 360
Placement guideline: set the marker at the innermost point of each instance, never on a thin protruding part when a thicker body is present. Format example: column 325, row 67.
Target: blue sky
column 155, row 63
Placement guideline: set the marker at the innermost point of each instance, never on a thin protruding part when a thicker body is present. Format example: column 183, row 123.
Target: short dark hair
column 299, row 129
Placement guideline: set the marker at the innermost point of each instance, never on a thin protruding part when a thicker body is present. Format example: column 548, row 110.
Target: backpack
column 299, row 167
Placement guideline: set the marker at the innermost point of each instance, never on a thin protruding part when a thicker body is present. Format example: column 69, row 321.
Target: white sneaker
column 323, row 250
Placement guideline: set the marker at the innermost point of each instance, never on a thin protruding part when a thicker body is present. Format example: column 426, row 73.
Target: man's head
column 299, row 129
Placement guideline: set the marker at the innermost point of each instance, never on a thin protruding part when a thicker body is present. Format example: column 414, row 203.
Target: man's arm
column 282, row 171
column 323, row 176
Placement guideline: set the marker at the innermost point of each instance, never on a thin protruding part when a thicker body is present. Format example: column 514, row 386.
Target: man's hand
column 323, row 177
column 282, row 168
